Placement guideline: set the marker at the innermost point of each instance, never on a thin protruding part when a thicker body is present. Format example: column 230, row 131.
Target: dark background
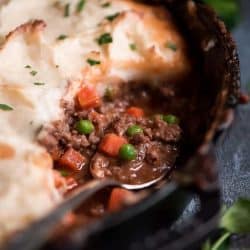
column 233, row 151
column 233, row 154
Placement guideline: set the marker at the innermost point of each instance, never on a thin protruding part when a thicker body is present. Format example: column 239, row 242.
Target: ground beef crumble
column 156, row 146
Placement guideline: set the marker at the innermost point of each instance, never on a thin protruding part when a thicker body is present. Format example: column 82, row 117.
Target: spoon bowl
column 43, row 228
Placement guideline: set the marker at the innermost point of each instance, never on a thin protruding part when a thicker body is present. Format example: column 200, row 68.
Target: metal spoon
column 41, row 230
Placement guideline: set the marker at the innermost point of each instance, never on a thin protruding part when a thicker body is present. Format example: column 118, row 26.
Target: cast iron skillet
column 135, row 227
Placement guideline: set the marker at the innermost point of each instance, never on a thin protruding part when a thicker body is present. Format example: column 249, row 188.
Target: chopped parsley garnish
column 5, row 107
column 132, row 46
column 67, row 10
column 109, row 93
column 80, row 6
column 93, row 62
column 104, row 39
column 171, row 46
column 105, row 5
column 112, row 17
column 33, row 72
column 64, row 173
column 62, row 37
column 39, row 83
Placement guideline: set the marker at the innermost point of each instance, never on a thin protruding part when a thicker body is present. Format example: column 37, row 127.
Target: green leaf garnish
column 80, row 5
column 93, row 62
column 27, row 67
column 171, row 46
column 237, row 218
column 112, row 17
column 105, row 5
column 221, row 244
column 132, row 46
column 39, row 83
column 228, row 10
column 5, row 107
column 104, row 39
column 62, row 37
column 33, row 72
column 207, row 245
column 67, row 10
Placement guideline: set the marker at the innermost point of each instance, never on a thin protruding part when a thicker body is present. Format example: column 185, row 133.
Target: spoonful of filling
column 128, row 135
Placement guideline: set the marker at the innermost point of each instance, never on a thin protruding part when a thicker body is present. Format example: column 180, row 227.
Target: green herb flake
column 67, row 10
column 104, row 39
column 27, row 67
column 64, row 173
column 33, row 72
column 105, row 5
column 112, row 17
column 80, row 6
column 132, row 46
column 62, row 37
column 109, row 94
column 39, row 83
column 171, row 46
column 93, row 62
column 5, row 107
column 236, row 219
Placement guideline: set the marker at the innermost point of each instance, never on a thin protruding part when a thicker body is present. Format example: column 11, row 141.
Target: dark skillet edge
column 224, row 118
column 198, row 227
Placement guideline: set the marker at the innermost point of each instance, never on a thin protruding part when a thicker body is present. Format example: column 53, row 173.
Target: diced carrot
column 73, row 160
column 88, row 98
column 118, row 198
column 135, row 111
column 111, row 144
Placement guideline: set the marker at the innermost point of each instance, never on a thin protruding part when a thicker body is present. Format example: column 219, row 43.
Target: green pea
column 109, row 94
column 85, row 127
column 127, row 152
column 133, row 130
column 170, row 119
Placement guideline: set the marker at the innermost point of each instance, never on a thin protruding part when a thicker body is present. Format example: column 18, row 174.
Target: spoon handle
column 43, row 228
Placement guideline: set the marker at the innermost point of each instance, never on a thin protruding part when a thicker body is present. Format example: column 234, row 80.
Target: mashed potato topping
column 49, row 49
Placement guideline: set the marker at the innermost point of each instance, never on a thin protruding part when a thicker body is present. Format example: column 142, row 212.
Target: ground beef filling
column 128, row 118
